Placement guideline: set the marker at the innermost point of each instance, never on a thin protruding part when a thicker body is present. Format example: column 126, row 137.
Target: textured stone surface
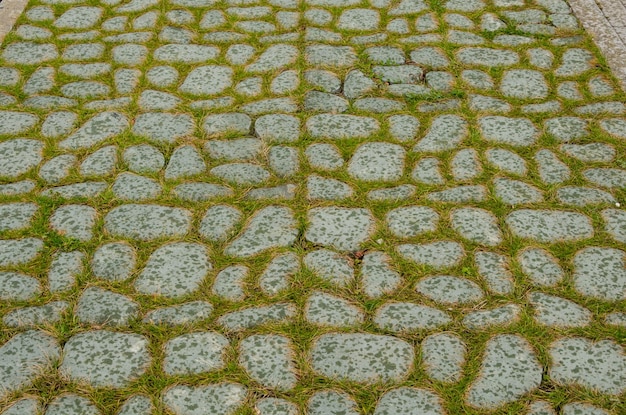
column 408, row 317
column 268, row 359
column 147, row 222
column 342, row 228
column 220, row 399
column 193, row 353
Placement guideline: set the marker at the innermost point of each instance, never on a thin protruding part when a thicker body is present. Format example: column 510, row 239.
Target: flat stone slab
column 476, row 225
column 494, row 269
column 377, row 275
column 558, row 312
column 518, row 132
column 600, row 273
column 600, row 366
column 252, row 317
column 97, row 306
column 410, row 401
column 72, row 404
column 403, row 317
column 19, row 156
column 137, row 405
column 495, row 317
column 615, row 223
column 188, row 54
column 24, row 358
column 377, row 162
column 105, row 359
column 36, row 316
column 269, row 360
column 450, row 290
column 74, row 221
column 207, row 80
column 509, row 370
column 29, row 53
column 446, row 133
column 330, row 266
column 219, row 399
column 229, row 283
column 331, row 401
column 540, row 266
column 174, row 270
column 273, row 58
column 147, row 222
column 340, row 126
column 176, row 315
column 329, row 310
column 344, row 229
column 444, row 356
column 218, row 222
column 241, row 173
column 330, row 56
column 362, row 358
column 439, row 254
column 25, row 406
column 96, row 130
column 270, row 227
column 19, row 251
column 194, row 353
column 163, row 127
column 275, row 406
column 549, row 226
column 487, row 57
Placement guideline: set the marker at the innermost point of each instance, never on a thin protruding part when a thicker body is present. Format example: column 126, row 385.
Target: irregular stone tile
column 85, row 90
column 115, row 24
column 506, row 161
column 46, row 314
column 477, row 79
column 18, row 156
column 113, row 261
column 126, row 80
column 277, row 128
column 328, row 310
column 324, row 80
column 268, row 359
column 17, row 188
column 129, row 54
column 144, row 158
column 614, row 126
column 519, row 132
column 137, row 405
column 320, row 188
column 100, row 307
column 162, row 76
column 30, row 32
column 377, row 162
column 616, row 319
column 610, row 107
column 229, row 283
column 130, row 186
column 599, row 273
column 509, row 370
column 18, row 287
column 99, row 163
column 19, row 251
column 330, row 56
column 158, row 101
column 549, row 226
column 524, row 84
column 344, row 229
column 362, row 358
column 512, row 40
column 551, row 169
column 476, row 225
column 583, row 196
column 58, row 124
column 358, row 20
column 9, row 76
column 207, row 80
column 407, row 222
column 42, row 80
column 494, row 269
column 219, row 222
column 185, row 161
column 427, row 171
column 401, row 192
column 285, row 82
column 170, row 34
column 25, row 406
column 540, row 408
column 582, row 408
column 324, row 156
column 487, row 57
column 252, row 317
column 566, row 128
column 163, row 127
column 499, row 316
column 177, row 315
column 79, row 18
column 615, row 224
column 460, row 194
column 201, row 192
column 97, row 129
column 574, row 62
column 403, row 127
column 444, row 356
column 330, row 266
column 284, row 161
column 74, row 221
column 287, row 105
column 275, row 406
column 338, row 126
column 81, row 190
column 270, row 227
column 446, row 132
column 600, row 366
column 569, row 90
column 273, row 58
column 194, row 353
column 220, row 399
column 540, row 266
column 409, row 317
column 449, row 290
column 465, row 165
column 29, row 53
column 317, row 101
column 431, row 57
column 331, row 402
column 64, row 268
column 239, row 54
column 481, row 103
column 72, row 404
column 357, row 84
column 16, row 216
column 276, row 275
column 516, row 192
column 410, row 401
column 439, row 254
column 239, row 149
column 377, row 276
column 104, row 358
column 147, row 222
column 174, row 270
column 558, row 312
column 606, row 177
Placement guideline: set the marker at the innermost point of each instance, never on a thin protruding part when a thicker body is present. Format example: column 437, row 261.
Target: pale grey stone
column 616, row 319
column 113, row 261
column 286, row 105
column 600, row 366
column 9, row 76
column 105, row 359
column 461, row 37
column 378, row 105
column 583, row 408
column 270, row 227
column 614, row 126
column 239, row 149
column 273, row 58
column 430, row 57
column 219, row 221
column 64, row 268
column 524, row 84
column 42, row 80
column 174, row 270
column 86, row 90
column 72, row 404
column 30, row 32
column 222, row 124
column 566, row 128
column 220, row 399
column 331, row 402
column 29, row 53
column 362, row 358
column 614, row 224
column 211, row 104
column 449, row 290
column 147, row 222
column 170, row 34
column 482, row 103
column 401, row 192
column 519, row 132
column 275, row 277
column 275, row 406
column 377, row 276
column 229, row 283
column 319, row 17
column 583, row 196
column 320, row 188
column 330, row 266
column 540, row 408
column 551, row 169
column 201, row 192
column 100, row 307
column 58, row 124
column 356, row 84
column 477, row 79
column 399, row 26
column 97, row 129
column 569, row 90
column 79, row 18
column 187, row 313
column 252, row 317
column 74, row 221
column 324, row 156
column 540, row 266
column 126, row 80
column 212, row 19
column 500, row 316
column 18, row 156
column 408, row 7
column 445, row 133
column 162, row 76
column 49, row 102
column 458, row 20
column 24, row 406
column 410, row 221
column 600, row 87
column 344, row 229
column 460, row 194
column 185, row 161
column 99, row 163
column 285, row 82
column 359, row 20
column 506, row 161
column 285, row 191
column 224, row 37
column 608, row 107
column 194, row 353
column 313, row 34
column 144, row 158
column 377, row 162
column 18, row 287
column 46, row 314
column 86, row 189
column 284, row 161
column 465, row 165
column 516, row 192
column 444, row 356
column 158, row 101
column 487, row 57
column 19, row 251
column 509, row 370
column 439, row 254
column 137, row 405
column 330, row 56
column 574, row 62
column 494, row 269
column 606, row 177
column 558, row 312
column 409, row 317
column 17, row 188
column 410, row 401
column 163, row 127
column 599, row 273
column 476, row 225
column 241, row 173
column 338, row 126
column 328, row 310
column 427, row 171
column 403, row 127
column 207, row 80
column 325, row 80
column 40, row 14
column 16, row 216
column 250, row 87
column 316, row 101
column 255, row 26
column 115, row 24
column 268, row 359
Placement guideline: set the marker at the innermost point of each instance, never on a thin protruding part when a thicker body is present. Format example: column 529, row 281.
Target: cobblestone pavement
column 317, row 207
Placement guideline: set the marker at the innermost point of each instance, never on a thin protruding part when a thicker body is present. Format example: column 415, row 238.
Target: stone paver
column 251, row 206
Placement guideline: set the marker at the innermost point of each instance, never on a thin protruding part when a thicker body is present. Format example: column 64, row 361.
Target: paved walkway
column 318, row 207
